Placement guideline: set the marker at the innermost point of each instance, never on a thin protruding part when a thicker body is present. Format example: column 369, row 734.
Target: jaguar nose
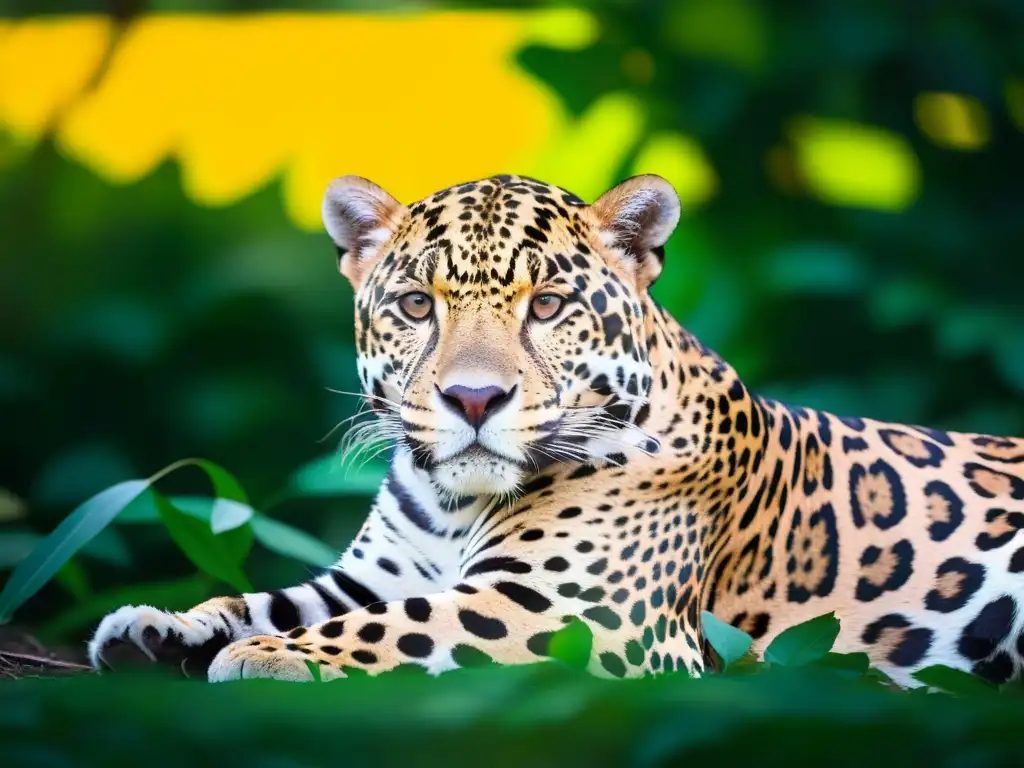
column 475, row 404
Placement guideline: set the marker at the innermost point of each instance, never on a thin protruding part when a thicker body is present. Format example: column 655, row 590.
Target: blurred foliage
column 105, row 93
column 216, row 533
column 828, row 709
column 851, row 241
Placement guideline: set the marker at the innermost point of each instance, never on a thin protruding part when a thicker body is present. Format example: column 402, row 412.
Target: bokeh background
column 852, row 173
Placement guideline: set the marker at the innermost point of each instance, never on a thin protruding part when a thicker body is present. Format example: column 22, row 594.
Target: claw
column 140, row 643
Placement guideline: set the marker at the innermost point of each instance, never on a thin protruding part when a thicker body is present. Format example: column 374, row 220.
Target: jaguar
column 564, row 449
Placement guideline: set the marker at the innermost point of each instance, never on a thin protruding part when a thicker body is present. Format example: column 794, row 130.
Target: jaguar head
column 500, row 324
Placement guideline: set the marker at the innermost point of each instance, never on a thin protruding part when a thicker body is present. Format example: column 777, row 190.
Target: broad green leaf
column 228, row 508
column 228, row 514
column 291, row 542
column 219, row 555
column 955, row 681
column 804, row 643
column 729, row 642
column 224, row 484
column 572, row 644
column 327, row 476
column 73, row 533
column 145, row 509
column 107, row 546
column 284, row 539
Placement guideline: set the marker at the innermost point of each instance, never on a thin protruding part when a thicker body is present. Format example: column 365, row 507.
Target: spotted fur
column 603, row 464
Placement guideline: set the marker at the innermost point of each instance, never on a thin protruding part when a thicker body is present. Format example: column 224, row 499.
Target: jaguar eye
column 416, row 305
column 546, row 306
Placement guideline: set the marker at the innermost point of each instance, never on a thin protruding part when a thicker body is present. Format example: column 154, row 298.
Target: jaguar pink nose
column 474, row 404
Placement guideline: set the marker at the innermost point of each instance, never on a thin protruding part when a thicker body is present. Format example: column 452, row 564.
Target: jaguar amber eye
column 546, row 306
column 416, row 305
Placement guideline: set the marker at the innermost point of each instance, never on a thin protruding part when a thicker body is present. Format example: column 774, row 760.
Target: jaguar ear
column 359, row 216
column 637, row 216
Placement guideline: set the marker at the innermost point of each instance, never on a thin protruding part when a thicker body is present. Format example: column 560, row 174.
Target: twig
column 26, row 658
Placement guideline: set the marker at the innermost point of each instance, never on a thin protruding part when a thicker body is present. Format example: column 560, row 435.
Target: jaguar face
column 499, row 323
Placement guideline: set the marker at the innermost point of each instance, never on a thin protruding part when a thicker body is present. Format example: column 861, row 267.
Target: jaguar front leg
column 384, row 562
column 505, row 622
column 192, row 638
column 502, row 620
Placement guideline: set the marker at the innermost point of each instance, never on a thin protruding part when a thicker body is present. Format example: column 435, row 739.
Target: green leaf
column 224, row 484
column 314, row 671
column 145, row 509
column 230, row 511
column 73, row 533
column 876, row 675
column 106, row 546
column 291, row 542
column 284, row 539
column 955, row 681
column 804, row 643
column 729, row 642
column 327, row 477
column 229, row 505
column 228, row 514
column 219, row 555
column 745, row 665
column 848, row 665
column 572, row 644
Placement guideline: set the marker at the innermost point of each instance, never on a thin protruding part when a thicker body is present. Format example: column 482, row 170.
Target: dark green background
column 137, row 328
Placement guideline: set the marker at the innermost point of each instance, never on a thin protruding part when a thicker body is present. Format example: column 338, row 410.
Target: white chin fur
column 477, row 475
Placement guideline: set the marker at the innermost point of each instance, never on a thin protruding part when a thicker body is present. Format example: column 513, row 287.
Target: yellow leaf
column 952, row 120
column 44, row 65
column 414, row 101
column 851, row 164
